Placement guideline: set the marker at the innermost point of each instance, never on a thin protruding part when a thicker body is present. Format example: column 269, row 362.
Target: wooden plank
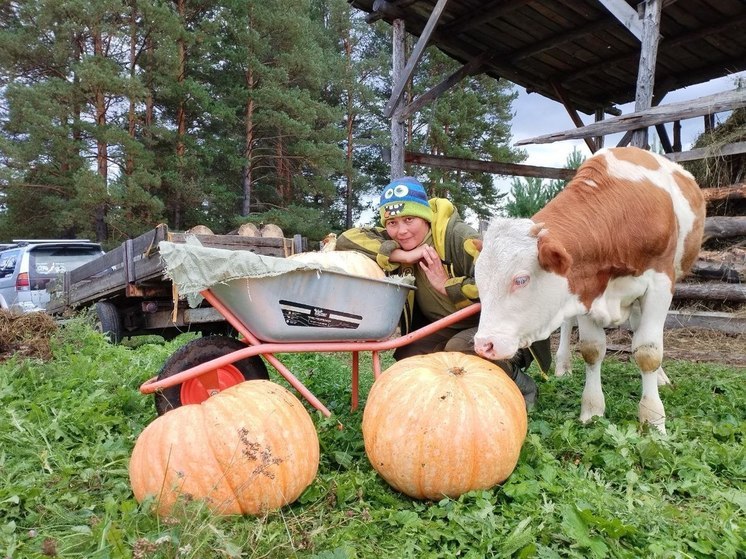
column 626, row 15
column 734, row 148
column 720, row 321
column 414, row 58
column 494, row 167
column 590, row 142
column 682, row 110
column 646, row 69
column 429, row 96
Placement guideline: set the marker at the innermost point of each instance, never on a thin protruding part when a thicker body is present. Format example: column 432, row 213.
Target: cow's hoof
column 651, row 411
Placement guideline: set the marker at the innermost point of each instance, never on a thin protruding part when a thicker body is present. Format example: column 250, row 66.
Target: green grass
column 607, row 489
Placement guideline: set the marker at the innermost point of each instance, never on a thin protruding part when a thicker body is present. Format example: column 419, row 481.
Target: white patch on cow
column 614, row 305
column 527, row 314
column 664, row 179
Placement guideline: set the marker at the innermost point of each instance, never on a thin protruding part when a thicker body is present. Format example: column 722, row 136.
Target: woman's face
column 408, row 231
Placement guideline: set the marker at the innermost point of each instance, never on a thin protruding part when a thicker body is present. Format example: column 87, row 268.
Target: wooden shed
column 589, row 55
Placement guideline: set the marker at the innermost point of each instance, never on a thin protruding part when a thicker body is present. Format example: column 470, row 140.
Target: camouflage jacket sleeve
column 460, row 258
column 374, row 242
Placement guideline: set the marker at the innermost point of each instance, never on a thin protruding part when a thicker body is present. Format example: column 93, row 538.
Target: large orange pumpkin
column 443, row 424
column 249, row 449
column 349, row 261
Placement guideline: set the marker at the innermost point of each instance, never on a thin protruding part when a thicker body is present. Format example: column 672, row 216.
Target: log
column 722, row 227
column 710, row 104
column 495, row 167
column 720, row 271
column 721, row 194
column 723, row 292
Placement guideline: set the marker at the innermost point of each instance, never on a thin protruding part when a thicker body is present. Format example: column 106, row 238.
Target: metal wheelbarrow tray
column 315, row 305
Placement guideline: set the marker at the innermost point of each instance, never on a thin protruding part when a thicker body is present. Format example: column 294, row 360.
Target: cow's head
column 521, row 276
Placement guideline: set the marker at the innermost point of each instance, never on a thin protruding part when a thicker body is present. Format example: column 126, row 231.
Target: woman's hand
column 434, row 270
column 407, row 256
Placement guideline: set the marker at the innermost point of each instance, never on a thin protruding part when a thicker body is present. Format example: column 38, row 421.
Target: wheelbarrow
column 297, row 312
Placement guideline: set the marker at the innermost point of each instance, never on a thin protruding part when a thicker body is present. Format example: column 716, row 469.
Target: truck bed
column 131, row 279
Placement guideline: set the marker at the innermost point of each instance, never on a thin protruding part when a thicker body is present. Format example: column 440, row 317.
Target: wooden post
column 599, row 139
column 646, row 69
column 397, row 126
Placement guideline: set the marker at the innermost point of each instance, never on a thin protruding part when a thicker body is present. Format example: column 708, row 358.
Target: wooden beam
column 626, row 15
column 646, row 69
column 590, row 142
column 720, row 321
column 429, row 96
column 718, row 102
column 494, row 167
column 708, row 152
column 399, row 56
column 414, row 58
column 711, row 291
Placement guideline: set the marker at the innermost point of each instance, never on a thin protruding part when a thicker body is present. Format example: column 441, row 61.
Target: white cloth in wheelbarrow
column 194, row 268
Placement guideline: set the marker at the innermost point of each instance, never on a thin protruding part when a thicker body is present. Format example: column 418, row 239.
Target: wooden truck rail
column 131, row 294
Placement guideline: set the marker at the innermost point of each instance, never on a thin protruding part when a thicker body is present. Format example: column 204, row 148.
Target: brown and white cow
column 608, row 248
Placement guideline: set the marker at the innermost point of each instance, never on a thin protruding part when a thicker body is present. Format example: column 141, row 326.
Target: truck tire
column 108, row 322
column 196, row 352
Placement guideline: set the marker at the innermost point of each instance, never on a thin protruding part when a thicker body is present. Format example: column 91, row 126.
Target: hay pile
column 26, row 334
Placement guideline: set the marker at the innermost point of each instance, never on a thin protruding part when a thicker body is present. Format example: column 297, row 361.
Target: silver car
column 27, row 267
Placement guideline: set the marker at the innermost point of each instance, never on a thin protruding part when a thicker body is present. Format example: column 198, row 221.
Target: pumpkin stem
column 456, row 371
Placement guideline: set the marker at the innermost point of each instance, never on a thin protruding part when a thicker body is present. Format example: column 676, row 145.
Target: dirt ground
column 697, row 345
column 29, row 335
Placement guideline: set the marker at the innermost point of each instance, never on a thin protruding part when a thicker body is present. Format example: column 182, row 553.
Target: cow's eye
column 520, row 281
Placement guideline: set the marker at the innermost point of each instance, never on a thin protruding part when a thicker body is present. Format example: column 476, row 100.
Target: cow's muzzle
column 495, row 347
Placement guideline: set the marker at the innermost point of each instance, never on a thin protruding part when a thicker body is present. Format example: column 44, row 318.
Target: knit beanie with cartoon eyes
column 404, row 197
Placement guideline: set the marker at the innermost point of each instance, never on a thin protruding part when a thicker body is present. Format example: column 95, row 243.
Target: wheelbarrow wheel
column 197, row 390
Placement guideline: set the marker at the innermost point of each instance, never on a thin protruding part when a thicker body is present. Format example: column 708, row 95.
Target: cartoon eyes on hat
column 400, row 190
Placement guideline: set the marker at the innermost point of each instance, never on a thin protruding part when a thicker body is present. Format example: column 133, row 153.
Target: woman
column 428, row 239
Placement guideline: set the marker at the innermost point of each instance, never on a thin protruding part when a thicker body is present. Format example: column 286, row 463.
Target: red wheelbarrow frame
column 267, row 350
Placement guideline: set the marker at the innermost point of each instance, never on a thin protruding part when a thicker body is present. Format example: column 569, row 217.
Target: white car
column 28, row 266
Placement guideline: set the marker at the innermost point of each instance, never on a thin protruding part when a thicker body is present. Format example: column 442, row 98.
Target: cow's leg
column 563, row 358
column 647, row 347
column 592, row 345
column 634, row 324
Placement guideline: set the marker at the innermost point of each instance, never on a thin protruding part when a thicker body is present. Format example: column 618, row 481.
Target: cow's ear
column 553, row 257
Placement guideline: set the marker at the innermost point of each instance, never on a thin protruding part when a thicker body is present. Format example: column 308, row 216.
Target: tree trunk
column 102, row 148
column 247, row 178
column 129, row 165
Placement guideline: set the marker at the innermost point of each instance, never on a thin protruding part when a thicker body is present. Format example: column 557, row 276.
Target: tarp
column 194, row 268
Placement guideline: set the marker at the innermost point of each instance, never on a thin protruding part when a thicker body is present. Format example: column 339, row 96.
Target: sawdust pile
column 26, row 335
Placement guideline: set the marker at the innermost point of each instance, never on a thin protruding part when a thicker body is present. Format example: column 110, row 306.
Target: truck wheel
column 108, row 322
column 197, row 390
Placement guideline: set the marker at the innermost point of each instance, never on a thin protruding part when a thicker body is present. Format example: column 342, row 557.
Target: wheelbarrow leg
column 376, row 365
column 355, row 378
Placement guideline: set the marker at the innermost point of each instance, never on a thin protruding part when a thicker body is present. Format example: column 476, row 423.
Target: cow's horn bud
column 536, row 229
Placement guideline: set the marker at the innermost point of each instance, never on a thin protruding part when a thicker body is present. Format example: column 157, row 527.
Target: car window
column 8, row 261
column 50, row 261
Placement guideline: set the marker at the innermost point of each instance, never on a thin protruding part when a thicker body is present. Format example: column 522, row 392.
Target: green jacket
column 453, row 241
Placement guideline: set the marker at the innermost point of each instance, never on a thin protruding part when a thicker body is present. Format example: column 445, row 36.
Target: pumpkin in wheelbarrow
column 444, row 424
column 249, row 449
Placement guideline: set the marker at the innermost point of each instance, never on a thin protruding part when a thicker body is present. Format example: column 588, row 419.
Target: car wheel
column 197, row 390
